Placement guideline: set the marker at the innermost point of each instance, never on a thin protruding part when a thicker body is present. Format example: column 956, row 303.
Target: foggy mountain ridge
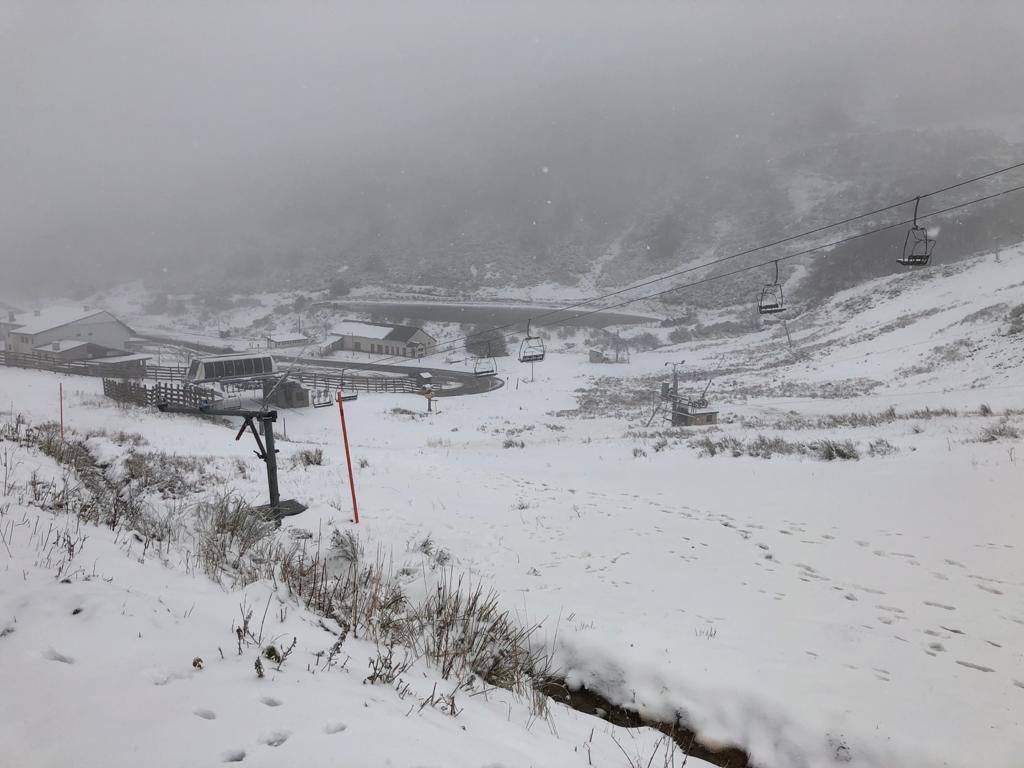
column 276, row 146
column 733, row 203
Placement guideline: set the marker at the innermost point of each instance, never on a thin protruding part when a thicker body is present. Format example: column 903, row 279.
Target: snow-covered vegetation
column 829, row 575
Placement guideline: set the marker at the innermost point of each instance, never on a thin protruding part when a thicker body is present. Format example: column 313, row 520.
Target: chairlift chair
column 322, row 398
column 485, row 366
column 918, row 247
column 771, row 300
column 531, row 350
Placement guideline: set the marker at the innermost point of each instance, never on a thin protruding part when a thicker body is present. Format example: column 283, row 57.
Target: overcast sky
column 139, row 133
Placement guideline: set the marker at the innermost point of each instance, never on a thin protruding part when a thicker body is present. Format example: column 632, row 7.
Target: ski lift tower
column 277, row 508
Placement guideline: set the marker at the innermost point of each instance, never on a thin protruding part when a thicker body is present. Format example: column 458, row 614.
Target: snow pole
column 348, row 456
column 61, row 388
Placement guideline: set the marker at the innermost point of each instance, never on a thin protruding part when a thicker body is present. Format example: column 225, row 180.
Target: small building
column 122, row 366
column 65, row 350
column 67, row 333
column 685, row 415
column 381, row 339
column 285, row 340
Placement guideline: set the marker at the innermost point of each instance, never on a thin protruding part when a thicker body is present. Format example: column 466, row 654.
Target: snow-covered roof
column 122, row 359
column 30, row 323
column 405, row 333
column 61, row 345
column 366, row 330
column 284, row 338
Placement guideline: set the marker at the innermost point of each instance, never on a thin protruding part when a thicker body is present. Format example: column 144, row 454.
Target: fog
column 144, row 136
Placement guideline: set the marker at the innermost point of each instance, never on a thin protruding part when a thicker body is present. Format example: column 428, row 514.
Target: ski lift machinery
column 771, row 300
column 531, row 350
column 918, row 247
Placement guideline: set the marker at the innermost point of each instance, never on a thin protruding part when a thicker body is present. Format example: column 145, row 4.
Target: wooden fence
column 170, row 373
column 173, row 394
column 95, row 367
column 335, row 381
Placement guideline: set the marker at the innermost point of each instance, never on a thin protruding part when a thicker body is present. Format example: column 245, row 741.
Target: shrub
column 1001, row 430
column 510, row 443
column 642, row 341
column 829, row 450
column 881, row 447
column 339, row 287
column 680, row 335
column 309, row 457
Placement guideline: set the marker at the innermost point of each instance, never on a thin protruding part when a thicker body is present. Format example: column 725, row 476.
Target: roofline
column 18, row 324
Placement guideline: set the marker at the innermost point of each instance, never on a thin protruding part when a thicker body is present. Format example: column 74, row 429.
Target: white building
column 285, row 340
column 380, row 339
column 67, row 333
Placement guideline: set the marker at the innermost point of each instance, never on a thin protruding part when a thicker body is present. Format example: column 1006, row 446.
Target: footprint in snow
column 54, row 655
column 205, row 714
column 334, row 726
column 270, row 701
column 940, row 605
column 233, row 756
column 275, row 738
column 972, row 665
column 990, row 590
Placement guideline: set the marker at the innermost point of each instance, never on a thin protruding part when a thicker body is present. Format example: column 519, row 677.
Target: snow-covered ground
column 868, row 611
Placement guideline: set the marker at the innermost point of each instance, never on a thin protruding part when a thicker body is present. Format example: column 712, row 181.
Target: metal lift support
column 266, row 453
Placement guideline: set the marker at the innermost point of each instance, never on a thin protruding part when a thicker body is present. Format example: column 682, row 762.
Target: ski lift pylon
column 531, row 350
column 918, row 247
column 771, row 300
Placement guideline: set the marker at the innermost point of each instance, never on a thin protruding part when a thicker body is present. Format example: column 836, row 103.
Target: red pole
column 348, row 457
column 62, row 411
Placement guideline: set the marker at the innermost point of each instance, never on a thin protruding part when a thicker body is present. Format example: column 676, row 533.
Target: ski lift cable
column 762, row 264
column 295, row 361
column 804, row 252
column 442, row 346
column 739, row 254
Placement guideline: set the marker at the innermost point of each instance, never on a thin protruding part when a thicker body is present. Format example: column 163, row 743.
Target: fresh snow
column 865, row 612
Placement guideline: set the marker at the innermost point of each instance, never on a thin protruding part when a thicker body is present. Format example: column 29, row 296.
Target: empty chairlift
column 772, row 300
column 531, row 350
column 918, row 247
column 485, row 366
column 322, row 397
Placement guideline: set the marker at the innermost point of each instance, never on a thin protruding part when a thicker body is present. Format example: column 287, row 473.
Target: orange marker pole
column 348, row 457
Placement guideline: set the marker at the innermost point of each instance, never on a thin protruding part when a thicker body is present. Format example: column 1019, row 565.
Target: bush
column 309, row 457
column 993, row 432
column 643, row 341
column 482, row 341
column 881, row 447
column 510, row 443
column 339, row 287
column 680, row 335
column 829, row 450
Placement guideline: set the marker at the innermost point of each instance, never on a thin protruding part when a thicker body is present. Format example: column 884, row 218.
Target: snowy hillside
column 831, row 575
